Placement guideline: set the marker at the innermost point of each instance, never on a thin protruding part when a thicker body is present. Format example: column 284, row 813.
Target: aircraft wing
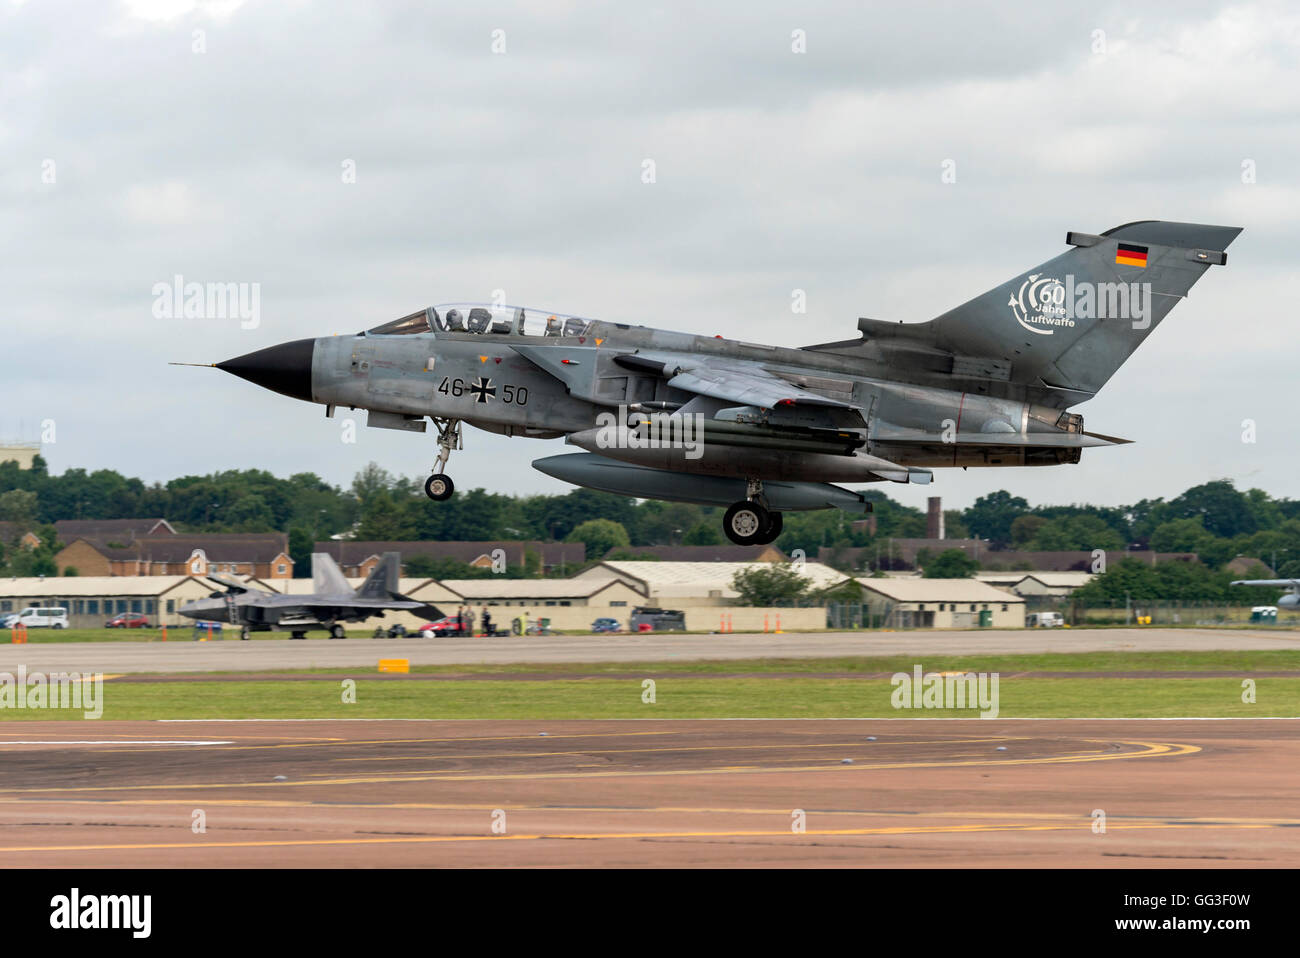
column 740, row 382
column 1280, row 583
column 230, row 582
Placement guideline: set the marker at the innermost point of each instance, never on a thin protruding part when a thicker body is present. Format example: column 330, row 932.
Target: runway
column 282, row 654
column 859, row 792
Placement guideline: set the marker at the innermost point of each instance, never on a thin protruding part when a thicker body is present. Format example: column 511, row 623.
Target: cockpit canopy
column 485, row 318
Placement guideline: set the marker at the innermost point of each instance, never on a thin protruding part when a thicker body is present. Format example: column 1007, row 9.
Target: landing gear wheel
column 775, row 523
column 298, row 635
column 245, row 633
column 746, row 522
column 336, row 632
column 439, row 487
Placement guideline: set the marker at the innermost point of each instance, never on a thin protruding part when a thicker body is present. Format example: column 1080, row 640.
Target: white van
column 43, row 617
column 1045, row 620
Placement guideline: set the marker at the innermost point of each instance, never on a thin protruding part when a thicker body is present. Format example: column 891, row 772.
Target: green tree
column 703, row 533
column 770, row 583
column 950, row 564
column 1024, row 528
column 599, row 536
column 1180, row 535
column 991, row 515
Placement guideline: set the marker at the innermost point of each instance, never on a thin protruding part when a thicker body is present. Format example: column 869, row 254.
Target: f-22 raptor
column 758, row 429
column 331, row 602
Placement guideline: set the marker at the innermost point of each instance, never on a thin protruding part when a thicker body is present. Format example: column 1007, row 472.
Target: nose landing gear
column 439, row 486
column 750, row 522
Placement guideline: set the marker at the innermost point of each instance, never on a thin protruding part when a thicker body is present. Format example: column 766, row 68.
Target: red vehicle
column 127, row 620
column 447, row 625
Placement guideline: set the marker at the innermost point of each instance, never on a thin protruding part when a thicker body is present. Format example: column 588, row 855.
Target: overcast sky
column 142, row 140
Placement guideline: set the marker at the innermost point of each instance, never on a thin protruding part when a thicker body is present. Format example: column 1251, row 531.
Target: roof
column 715, row 553
column 217, row 547
column 498, row 588
column 113, row 530
column 346, row 552
column 305, row 586
column 938, row 590
column 94, row 585
column 1060, row 580
column 693, row 578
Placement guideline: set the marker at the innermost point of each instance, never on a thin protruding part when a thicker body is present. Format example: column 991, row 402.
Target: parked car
column 447, row 625
column 43, row 617
column 8, row 619
column 645, row 619
column 127, row 620
column 604, row 624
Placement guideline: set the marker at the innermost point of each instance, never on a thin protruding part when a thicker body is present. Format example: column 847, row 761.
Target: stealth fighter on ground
column 758, row 429
column 330, row 603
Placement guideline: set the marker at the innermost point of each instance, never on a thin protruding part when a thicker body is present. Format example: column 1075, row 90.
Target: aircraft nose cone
column 285, row 369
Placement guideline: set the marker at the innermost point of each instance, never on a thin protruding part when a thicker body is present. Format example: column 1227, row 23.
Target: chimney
column 934, row 518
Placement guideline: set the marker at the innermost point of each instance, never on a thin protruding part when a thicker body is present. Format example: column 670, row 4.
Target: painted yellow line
column 1152, row 749
column 637, row 810
column 976, row 828
column 668, row 748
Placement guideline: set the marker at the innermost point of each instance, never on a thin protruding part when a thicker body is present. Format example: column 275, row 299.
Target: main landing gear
column 439, row 486
column 750, row 522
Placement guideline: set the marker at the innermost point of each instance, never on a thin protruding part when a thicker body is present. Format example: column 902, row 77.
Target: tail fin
column 382, row 581
column 1056, row 326
column 326, row 577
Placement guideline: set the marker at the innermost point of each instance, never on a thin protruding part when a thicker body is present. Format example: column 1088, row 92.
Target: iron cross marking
column 482, row 389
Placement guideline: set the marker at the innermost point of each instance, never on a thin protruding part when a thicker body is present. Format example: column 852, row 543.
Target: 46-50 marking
column 483, row 390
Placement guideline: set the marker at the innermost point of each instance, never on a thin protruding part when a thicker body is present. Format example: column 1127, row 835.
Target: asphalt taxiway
column 856, row 792
column 283, row 654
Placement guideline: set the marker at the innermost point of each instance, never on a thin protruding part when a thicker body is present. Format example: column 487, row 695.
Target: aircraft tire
column 439, row 487
column 336, row 632
column 775, row 523
column 745, row 523
column 245, row 633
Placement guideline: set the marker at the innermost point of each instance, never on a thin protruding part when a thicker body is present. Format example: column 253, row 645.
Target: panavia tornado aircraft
column 761, row 429
column 1288, row 600
column 331, row 602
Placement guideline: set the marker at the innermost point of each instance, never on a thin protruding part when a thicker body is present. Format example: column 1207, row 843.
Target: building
column 680, row 584
column 1246, row 567
column 111, row 530
column 23, row 453
column 569, row 604
column 357, row 559
column 717, row 553
column 92, row 600
column 14, row 532
column 260, row 555
column 916, row 603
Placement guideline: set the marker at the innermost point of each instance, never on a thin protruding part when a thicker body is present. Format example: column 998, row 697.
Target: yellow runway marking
column 1151, row 750
column 253, row 803
column 667, row 748
column 975, row 828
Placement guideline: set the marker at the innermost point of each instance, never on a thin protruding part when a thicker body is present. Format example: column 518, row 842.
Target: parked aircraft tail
column 382, row 581
column 1067, row 325
column 326, row 577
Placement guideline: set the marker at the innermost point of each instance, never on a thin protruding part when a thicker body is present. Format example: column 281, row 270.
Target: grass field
column 682, row 695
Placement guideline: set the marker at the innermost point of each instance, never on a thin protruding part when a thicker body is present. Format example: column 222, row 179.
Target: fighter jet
column 1288, row 600
column 762, row 430
column 331, row 602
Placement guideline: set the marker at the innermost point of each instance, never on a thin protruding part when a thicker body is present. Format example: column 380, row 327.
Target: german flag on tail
column 1129, row 255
